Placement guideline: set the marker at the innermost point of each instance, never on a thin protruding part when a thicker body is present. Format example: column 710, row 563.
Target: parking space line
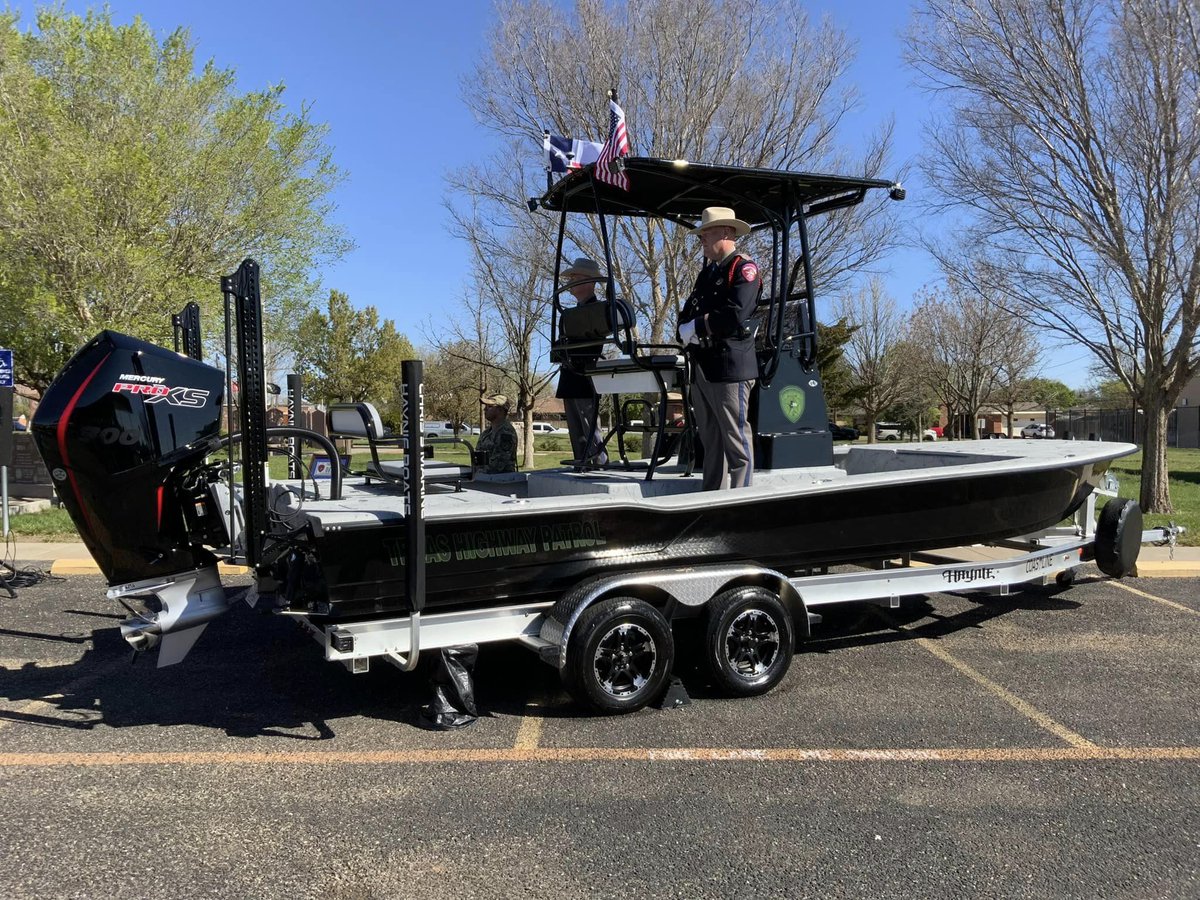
column 529, row 735
column 1163, row 600
column 600, row 754
column 1022, row 706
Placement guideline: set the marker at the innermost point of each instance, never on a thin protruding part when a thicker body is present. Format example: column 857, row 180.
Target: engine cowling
column 121, row 429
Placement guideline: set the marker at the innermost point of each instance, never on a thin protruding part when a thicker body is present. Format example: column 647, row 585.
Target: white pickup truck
column 446, row 429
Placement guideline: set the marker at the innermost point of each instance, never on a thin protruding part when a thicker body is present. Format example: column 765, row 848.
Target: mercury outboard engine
column 124, row 431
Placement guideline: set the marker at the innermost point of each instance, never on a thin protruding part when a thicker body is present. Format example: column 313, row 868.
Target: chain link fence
column 1183, row 425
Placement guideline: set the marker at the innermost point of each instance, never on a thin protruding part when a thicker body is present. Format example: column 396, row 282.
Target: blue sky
column 386, row 78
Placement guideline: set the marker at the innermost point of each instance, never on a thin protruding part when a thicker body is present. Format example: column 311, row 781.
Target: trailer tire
column 619, row 656
column 1118, row 537
column 749, row 641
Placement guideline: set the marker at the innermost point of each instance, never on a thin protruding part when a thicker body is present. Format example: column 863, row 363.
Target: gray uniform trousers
column 584, row 425
column 722, row 421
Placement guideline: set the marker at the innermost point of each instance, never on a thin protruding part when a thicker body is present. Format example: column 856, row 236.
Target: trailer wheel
column 1118, row 537
column 750, row 641
column 619, row 656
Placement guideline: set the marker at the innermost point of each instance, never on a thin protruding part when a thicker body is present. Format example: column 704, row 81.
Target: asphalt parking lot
column 1042, row 744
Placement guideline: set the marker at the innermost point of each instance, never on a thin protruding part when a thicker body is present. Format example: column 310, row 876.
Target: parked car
column 996, row 435
column 547, row 428
column 938, row 430
column 929, row 435
column 843, row 432
column 887, row 431
column 446, row 429
column 1037, row 430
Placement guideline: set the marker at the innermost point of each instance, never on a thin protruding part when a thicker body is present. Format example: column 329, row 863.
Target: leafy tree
column 351, row 356
column 1111, row 394
column 131, row 180
column 1070, row 144
column 836, row 375
column 1049, row 394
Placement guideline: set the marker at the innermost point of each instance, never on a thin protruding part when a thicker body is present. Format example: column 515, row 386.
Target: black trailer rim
column 625, row 660
column 752, row 643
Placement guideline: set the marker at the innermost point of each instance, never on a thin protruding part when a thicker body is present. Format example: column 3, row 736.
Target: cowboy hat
column 582, row 271
column 715, row 216
column 495, row 400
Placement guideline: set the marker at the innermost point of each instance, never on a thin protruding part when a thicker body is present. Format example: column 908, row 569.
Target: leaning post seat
column 361, row 420
column 584, row 332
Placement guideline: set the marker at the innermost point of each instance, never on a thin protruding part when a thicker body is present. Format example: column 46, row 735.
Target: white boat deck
column 855, row 467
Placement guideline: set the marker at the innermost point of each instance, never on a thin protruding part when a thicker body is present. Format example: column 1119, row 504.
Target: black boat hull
column 483, row 561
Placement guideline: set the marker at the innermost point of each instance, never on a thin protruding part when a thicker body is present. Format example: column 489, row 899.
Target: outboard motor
column 124, row 431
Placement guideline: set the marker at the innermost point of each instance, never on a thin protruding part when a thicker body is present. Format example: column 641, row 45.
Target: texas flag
column 564, row 154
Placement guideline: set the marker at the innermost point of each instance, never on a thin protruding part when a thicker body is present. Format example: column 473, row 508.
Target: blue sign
column 6, row 368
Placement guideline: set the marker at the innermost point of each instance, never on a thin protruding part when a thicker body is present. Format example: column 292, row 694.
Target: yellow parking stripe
column 1164, row 601
column 600, row 754
column 529, row 735
column 1023, row 707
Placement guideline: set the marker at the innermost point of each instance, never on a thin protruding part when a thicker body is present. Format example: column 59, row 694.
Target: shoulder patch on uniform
column 750, row 271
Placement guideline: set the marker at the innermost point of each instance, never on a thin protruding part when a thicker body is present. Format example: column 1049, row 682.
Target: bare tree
column 748, row 83
column 454, row 381
column 512, row 265
column 1018, row 353
column 880, row 373
column 1072, row 147
column 962, row 336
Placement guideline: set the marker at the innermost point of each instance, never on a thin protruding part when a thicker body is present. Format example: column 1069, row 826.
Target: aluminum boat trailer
column 614, row 649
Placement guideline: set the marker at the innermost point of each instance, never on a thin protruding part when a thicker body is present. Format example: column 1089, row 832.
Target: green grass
column 49, row 525
column 1183, row 467
column 549, row 451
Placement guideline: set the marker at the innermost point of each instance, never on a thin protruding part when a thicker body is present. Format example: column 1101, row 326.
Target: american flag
column 616, row 145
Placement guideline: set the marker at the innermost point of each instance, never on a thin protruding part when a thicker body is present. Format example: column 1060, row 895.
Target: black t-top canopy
column 679, row 190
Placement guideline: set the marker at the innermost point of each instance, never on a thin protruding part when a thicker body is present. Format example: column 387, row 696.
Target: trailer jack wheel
column 619, row 656
column 1067, row 577
column 1119, row 537
column 749, row 641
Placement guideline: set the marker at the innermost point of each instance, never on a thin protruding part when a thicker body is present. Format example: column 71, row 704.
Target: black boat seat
column 593, row 324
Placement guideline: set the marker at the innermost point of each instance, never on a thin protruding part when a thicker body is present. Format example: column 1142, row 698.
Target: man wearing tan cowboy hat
column 575, row 389
column 714, row 326
column 499, row 442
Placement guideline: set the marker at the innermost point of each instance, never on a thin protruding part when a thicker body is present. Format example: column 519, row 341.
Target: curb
column 89, row 567
column 1168, row 568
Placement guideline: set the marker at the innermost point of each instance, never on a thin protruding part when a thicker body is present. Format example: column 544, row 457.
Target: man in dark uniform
column 714, row 325
column 575, row 389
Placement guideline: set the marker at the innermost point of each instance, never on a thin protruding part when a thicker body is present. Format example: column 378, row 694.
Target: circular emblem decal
column 791, row 401
column 59, row 474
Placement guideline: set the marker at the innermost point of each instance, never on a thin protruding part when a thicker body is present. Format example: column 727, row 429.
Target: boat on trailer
column 590, row 566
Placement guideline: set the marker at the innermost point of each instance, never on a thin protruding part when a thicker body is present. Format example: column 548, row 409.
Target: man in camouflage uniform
column 499, row 442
